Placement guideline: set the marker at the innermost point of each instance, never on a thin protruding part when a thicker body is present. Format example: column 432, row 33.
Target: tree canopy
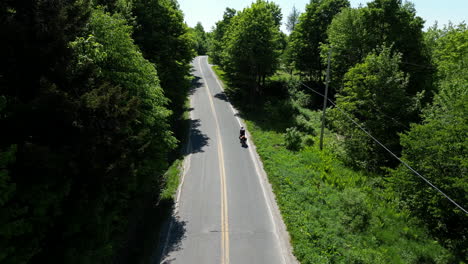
column 374, row 95
column 357, row 32
column 251, row 43
column 438, row 147
column 85, row 128
column 310, row 33
column 201, row 39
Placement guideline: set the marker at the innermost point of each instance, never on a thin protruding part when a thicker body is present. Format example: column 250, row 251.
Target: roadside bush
column 292, row 138
column 304, row 125
column 308, row 141
column 279, row 110
column 356, row 210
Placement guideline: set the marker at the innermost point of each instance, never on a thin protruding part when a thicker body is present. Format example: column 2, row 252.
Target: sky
column 208, row 12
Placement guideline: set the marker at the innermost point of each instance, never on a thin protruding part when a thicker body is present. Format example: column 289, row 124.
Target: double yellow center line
column 224, row 206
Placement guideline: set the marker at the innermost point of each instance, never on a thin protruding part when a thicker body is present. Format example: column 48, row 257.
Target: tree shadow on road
column 198, row 140
column 173, row 242
column 221, row 96
column 170, row 238
column 196, row 83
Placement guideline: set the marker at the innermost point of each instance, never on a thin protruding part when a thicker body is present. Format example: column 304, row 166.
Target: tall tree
column 355, row 33
column 201, row 42
column 164, row 39
column 347, row 35
column 34, row 119
column 438, row 147
column 310, row 33
column 293, row 19
column 84, row 132
column 375, row 96
column 217, row 45
column 252, row 45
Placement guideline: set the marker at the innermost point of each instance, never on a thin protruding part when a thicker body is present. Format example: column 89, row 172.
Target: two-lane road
column 225, row 210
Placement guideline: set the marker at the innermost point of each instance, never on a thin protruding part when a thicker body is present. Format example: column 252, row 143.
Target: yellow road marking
column 224, row 206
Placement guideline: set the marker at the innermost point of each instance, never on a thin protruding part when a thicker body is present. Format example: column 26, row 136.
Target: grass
column 171, row 180
column 220, row 73
column 333, row 213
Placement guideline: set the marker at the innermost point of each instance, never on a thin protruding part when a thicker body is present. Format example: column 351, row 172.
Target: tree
column 310, row 33
column 448, row 48
column 276, row 12
column 355, row 33
column 201, row 42
column 375, row 96
column 293, row 19
column 217, row 45
column 164, row 39
column 123, row 138
column 437, row 147
column 252, row 46
column 33, row 120
column 84, row 132
column 347, row 35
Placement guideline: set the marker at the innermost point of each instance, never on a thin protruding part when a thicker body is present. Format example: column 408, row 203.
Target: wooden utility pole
column 325, row 98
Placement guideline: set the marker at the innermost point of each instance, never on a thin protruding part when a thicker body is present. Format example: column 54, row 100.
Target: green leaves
column 334, row 214
column 217, row 47
column 165, row 41
column 200, row 38
column 251, row 41
column 292, row 138
column 85, row 133
column 310, row 33
column 356, row 32
column 374, row 95
column 438, row 147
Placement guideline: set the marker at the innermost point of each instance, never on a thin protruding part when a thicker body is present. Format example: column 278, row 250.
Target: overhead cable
column 388, row 150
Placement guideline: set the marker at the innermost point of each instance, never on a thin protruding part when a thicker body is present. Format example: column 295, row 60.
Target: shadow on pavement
column 196, row 83
column 174, row 241
column 197, row 138
column 170, row 239
column 221, row 96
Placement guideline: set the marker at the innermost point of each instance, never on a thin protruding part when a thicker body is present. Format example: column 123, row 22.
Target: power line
column 388, row 150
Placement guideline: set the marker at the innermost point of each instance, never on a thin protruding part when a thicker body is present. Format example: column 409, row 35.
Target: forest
column 93, row 103
column 92, row 99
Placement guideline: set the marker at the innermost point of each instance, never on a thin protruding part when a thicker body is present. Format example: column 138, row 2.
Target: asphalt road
column 225, row 210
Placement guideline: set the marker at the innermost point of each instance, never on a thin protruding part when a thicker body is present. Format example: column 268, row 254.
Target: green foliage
column 10, row 229
column 334, row 214
column 374, row 96
column 437, row 148
column 310, row 33
column 347, row 35
column 357, row 32
column 308, row 140
column 279, row 109
column 200, row 39
column 252, row 48
column 171, row 180
column 86, row 133
column 165, row 40
column 35, row 121
column 449, row 48
column 217, row 43
column 293, row 19
column 292, row 139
